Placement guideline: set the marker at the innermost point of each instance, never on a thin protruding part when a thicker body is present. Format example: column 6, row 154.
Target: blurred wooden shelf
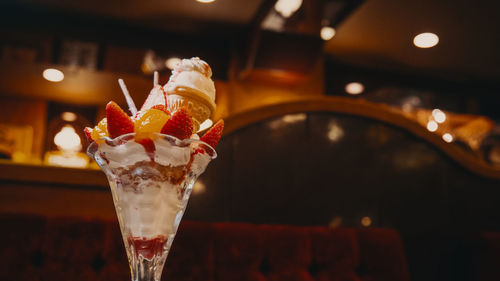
column 80, row 86
column 51, row 175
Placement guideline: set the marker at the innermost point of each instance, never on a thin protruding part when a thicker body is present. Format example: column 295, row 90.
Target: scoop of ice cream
column 192, row 75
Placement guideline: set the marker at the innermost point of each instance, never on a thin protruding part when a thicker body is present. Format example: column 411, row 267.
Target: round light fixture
column 432, row 126
column 327, row 33
column 447, row 137
column 287, row 7
column 53, row 75
column 426, row 40
column 438, row 115
column 205, row 1
column 354, row 88
column 68, row 116
column 172, row 62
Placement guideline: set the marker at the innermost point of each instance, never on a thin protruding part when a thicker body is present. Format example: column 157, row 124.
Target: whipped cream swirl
column 192, row 75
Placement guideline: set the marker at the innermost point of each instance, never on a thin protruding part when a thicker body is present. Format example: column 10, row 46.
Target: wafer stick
column 128, row 98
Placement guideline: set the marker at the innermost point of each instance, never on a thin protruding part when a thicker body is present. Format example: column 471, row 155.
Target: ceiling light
column 205, row 1
column 354, row 88
column 432, row 126
column 53, row 75
column 327, row 33
column 68, row 116
column 205, row 125
column 447, row 137
column 426, row 40
column 172, row 62
column 287, row 7
column 438, row 115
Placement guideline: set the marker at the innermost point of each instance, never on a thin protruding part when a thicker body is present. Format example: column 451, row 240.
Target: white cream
column 200, row 162
column 167, row 154
column 192, row 75
column 152, row 211
column 122, row 155
column 147, row 206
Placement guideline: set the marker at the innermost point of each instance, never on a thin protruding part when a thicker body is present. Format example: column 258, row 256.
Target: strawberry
column 157, row 96
column 119, row 123
column 179, row 125
column 149, row 147
column 213, row 135
column 88, row 134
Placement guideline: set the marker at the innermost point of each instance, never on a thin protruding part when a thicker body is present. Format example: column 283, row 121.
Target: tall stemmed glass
column 151, row 179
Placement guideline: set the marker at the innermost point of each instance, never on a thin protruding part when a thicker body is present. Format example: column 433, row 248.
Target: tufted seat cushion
column 39, row 249
column 21, row 251
column 484, row 255
column 191, row 255
column 288, row 252
column 335, row 254
column 238, row 252
column 382, row 255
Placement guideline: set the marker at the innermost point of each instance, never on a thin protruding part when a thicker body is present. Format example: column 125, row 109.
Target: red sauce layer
column 148, row 248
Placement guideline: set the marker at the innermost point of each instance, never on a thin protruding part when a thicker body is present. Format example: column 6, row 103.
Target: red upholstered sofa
column 35, row 248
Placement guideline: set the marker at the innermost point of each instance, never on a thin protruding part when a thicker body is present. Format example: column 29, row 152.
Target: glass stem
column 147, row 270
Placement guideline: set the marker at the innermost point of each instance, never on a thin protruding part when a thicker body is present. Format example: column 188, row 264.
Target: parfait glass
column 151, row 179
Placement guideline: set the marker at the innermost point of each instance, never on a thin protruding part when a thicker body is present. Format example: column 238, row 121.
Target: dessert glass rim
column 93, row 146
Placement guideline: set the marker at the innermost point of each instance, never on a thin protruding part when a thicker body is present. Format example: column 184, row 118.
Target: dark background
column 274, row 172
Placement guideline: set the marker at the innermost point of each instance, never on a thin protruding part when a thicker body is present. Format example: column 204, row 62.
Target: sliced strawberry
column 149, row 147
column 88, row 133
column 157, row 96
column 119, row 123
column 213, row 135
column 179, row 125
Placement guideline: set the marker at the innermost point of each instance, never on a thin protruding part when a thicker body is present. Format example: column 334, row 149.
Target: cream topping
column 192, row 75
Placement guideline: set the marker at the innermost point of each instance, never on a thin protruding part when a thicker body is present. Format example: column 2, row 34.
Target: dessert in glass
column 152, row 160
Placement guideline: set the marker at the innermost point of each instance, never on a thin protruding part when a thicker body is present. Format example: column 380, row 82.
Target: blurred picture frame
column 76, row 53
column 16, row 142
column 21, row 54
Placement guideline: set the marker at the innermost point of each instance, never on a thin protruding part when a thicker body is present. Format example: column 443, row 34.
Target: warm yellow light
column 366, row 221
column 205, row 1
column 447, row 137
column 66, row 159
column 438, row 115
column 354, row 88
column 172, row 62
column 287, row 7
column 335, row 222
column 67, row 139
column 53, row 75
column 293, row 118
column 432, row 126
column 327, row 33
column 205, row 125
column 199, row 187
column 68, row 116
column 335, row 131
column 426, row 40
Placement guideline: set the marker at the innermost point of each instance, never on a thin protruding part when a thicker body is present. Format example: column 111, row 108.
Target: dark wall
column 327, row 168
